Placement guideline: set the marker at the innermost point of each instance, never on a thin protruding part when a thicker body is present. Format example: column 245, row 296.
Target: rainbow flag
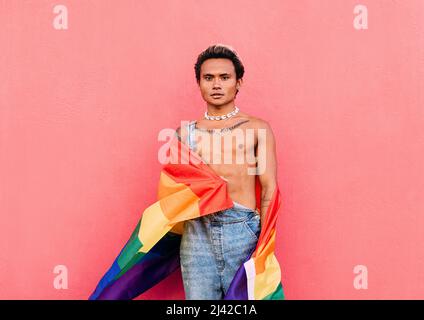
column 189, row 188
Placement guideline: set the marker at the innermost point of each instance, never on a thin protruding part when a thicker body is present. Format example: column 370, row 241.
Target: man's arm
column 267, row 167
column 178, row 133
column 181, row 134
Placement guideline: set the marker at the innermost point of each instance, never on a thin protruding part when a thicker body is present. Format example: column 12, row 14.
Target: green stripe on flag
column 131, row 248
column 278, row 294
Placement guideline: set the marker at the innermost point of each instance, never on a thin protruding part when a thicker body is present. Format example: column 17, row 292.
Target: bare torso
column 240, row 174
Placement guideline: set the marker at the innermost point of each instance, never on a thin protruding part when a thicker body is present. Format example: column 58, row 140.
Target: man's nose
column 216, row 83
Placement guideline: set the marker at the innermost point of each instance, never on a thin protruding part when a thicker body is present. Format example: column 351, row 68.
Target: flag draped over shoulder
column 188, row 189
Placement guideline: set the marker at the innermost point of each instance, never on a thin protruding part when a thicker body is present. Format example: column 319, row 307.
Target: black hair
column 219, row 51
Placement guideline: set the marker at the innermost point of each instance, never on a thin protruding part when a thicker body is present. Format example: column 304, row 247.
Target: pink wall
column 80, row 111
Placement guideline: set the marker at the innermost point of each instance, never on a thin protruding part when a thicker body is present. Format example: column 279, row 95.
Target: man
column 214, row 246
column 206, row 224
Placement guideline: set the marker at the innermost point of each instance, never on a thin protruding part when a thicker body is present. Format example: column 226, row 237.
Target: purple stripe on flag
column 238, row 287
column 141, row 277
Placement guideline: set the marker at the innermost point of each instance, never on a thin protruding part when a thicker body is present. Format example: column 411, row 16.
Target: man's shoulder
column 181, row 130
column 256, row 122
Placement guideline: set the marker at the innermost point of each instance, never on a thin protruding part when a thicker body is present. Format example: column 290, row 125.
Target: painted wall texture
column 83, row 98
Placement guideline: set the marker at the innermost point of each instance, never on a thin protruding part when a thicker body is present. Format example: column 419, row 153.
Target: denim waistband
column 237, row 213
column 240, row 206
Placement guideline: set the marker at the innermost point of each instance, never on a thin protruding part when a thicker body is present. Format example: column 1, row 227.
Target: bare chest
column 230, row 147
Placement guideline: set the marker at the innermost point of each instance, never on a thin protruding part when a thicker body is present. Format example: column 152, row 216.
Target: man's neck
column 220, row 110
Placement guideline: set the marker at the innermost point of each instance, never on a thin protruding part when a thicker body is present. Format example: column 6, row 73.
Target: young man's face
column 218, row 84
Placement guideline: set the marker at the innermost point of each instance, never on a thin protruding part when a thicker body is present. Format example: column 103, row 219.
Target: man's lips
column 217, row 96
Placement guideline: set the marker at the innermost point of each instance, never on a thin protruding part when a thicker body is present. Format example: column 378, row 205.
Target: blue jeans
column 212, row 249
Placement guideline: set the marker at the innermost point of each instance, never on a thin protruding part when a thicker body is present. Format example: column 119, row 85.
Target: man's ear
column 239, row 83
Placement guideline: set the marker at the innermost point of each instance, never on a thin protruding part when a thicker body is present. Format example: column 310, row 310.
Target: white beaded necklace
column 225, row 116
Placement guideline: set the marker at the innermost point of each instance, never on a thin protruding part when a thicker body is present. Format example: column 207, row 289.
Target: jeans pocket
column 253, row 226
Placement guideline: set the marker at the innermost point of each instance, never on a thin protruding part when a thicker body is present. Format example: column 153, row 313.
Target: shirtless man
column 219, row 74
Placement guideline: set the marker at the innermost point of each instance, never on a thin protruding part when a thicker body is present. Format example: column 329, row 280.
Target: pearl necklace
column 225, row 116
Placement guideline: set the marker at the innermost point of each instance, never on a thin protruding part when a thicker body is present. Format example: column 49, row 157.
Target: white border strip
column 249, row 267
